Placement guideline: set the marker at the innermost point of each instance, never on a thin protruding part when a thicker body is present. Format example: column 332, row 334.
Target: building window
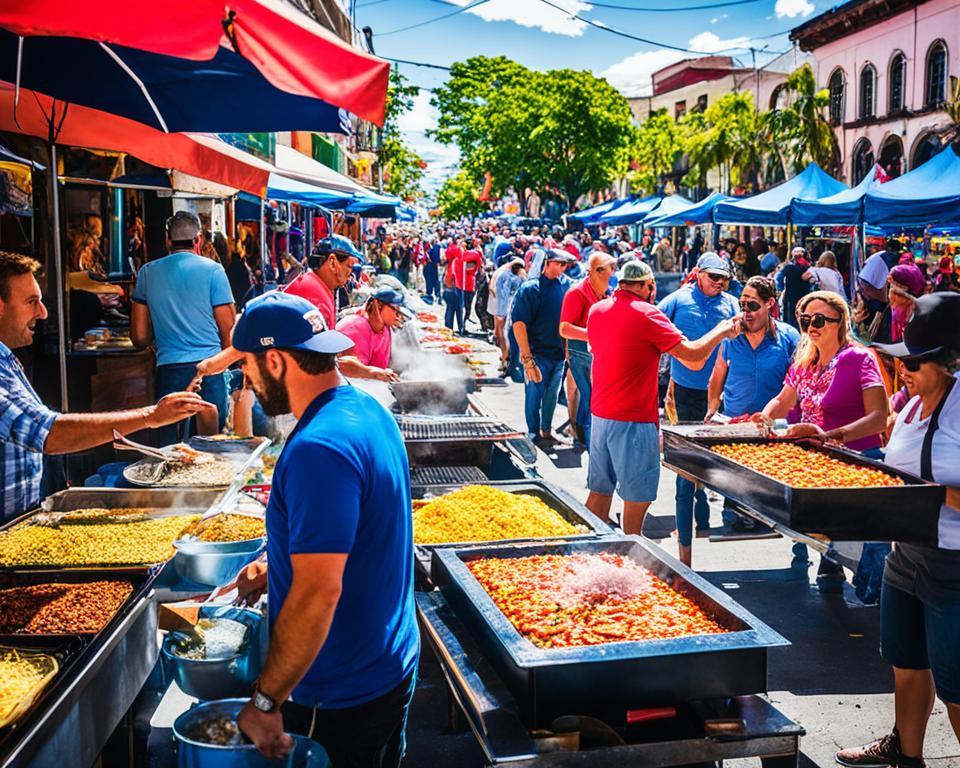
column 891, row 156
column 868, row 83
column 679, row 109
column 836, row 86
column 936, row 91
column 862, row 160
column 702, row 103
column 898, row 76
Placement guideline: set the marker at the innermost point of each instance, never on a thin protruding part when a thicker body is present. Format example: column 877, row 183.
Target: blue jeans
column 454, row 311
column 514, row 370
column 466, row 299
column 580, row 364
column 540, row 400
column 431, row 276
column 691, row 406
column 176, row 377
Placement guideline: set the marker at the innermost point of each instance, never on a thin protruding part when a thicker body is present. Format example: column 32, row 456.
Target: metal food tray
column 170, row 501
column 433, row 396
column 141, row 584
column 908, row 513
column 453, row 440
column 605, row 680
column 241, row 455
column 554, row 497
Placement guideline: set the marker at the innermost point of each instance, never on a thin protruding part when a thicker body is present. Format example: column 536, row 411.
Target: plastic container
column 214, row 564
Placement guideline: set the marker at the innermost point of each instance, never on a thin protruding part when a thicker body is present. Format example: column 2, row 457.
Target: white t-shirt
column 903, row 452
column 875, row 271
column 492, row 301
column 829, row 279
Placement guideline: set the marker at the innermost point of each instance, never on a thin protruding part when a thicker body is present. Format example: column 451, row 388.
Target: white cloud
column 793, row 8
column 721, row 17
column 533, row 13
column 422, row 117
column 708, row 42
column 632, row 75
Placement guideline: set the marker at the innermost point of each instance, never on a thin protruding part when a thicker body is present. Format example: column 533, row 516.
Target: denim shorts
column 920, row 629
column 624, row 457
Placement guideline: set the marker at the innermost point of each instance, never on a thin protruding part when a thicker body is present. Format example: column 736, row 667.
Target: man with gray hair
column 182, row 303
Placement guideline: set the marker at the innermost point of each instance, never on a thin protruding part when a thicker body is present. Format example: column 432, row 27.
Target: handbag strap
column 926, row 452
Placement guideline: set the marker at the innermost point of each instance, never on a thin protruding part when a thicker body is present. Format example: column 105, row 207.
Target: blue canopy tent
column 772, row 208
column 631, row 213
column 843, row 208
column 293, row 191
column 374, row 205
column 592, row 215
column 669, row 205
column 927, row 195
column 694, row 213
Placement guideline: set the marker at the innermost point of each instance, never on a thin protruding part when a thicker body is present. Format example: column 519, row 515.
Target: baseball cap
column 935, row 325
column 395, row 299
column 909, row 276
column 711, row 262
column 282, row 321
column 338, row 245
column 558, row 254
column 635, row 271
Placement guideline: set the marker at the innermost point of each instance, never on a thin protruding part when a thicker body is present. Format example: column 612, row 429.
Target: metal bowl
column 197, row 754
column 195, row 546
column 209, row 679
column 214, row 567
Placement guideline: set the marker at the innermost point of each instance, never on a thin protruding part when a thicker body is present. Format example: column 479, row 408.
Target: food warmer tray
column 167, row 502
column 242, row 456
column 908, row 513
column 433, row 396
column 554, row 497
column 606, row 680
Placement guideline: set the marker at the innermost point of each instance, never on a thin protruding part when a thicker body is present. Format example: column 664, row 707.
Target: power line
column 709, row 7
column 438, row 18
column 416, row 63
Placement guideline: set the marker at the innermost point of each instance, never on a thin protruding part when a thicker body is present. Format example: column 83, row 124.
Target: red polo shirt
column 577, row 303
column 627, row 336
column 465, row 270
column 314, row 290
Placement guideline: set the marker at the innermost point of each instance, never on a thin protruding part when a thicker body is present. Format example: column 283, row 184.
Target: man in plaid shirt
column 28, row 429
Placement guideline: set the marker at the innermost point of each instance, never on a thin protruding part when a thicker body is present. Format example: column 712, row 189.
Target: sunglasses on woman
column 750, row 306
column 818, row 320
column 913, row 364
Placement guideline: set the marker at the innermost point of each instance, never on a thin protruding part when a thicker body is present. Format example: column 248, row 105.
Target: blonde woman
column 825, row 274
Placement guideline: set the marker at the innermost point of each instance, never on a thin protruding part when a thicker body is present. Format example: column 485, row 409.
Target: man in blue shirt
column 344, row 643
column 536, row 327
column 183, row 304
column 431, row 270
column 695, row 311
column 28, row 429
column 751, row 367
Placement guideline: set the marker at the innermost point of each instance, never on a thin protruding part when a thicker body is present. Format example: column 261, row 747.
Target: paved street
column 831, row 679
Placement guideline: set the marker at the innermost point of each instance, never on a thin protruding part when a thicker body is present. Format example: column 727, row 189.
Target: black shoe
column 881, row 753
column 743, row 524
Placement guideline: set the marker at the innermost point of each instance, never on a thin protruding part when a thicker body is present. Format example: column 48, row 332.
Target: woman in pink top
column 834, row 382
column 371, row 332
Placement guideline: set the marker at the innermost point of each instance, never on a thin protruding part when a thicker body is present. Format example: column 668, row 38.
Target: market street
column 831, row 679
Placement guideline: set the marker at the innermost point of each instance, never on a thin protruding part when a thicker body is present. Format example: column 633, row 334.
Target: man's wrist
column 146, row 414
column 264, row 701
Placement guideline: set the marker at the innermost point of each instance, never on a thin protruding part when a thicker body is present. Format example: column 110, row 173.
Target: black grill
column 458, row 428
column 446, row 475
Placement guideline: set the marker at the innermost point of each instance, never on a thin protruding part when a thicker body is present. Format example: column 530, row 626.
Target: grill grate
column 457, row 428
column 446, row 475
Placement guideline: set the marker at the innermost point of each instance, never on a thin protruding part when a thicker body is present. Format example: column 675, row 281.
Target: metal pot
column 209, row 679
column 197, row 754
column 211, row 565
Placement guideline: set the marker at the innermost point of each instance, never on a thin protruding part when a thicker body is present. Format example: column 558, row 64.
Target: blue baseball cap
column 279, row 320
column 711, row 262
column 340, row 246
column 395, row 299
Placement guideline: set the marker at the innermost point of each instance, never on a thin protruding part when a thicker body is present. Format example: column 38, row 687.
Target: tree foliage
column 656, row 144
column 402, row 168
column 458, row 196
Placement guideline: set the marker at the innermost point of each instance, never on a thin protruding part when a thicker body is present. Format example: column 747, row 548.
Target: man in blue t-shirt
column 183, row 304
column 695, row 311
column 536, row 326
column 344, row 643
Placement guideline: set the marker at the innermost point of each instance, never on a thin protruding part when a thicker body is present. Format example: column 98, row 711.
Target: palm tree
column 812, row 136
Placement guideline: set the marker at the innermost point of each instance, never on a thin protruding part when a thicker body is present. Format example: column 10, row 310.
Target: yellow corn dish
column 483, row 513
column 22, row 677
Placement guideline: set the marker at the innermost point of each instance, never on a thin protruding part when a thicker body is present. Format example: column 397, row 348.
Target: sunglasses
column 750, row 306
column 818, row 320
column 716, row 278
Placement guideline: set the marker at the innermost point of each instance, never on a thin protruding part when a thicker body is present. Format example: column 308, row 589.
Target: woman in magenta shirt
column 370, row 330
column 834, row 383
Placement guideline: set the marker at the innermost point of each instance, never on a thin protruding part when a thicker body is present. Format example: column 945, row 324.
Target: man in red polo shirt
column 330, row 267
column 627, row 334
column 573, row 328
column 465, row 276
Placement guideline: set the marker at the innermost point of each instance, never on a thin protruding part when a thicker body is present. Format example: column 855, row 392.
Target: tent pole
column 263, row 240
column 53, row 187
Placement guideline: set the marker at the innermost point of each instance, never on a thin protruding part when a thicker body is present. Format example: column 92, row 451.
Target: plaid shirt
column 25, row 423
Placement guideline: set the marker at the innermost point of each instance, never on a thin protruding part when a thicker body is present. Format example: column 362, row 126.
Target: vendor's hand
column 711, row 412
column 385, row 374
column 175, row 407
column 805, row 430
column 532, row 373
column 732, row 326
column 265, row 730
column 744, row 417
column 203, row 369
column 251, row 582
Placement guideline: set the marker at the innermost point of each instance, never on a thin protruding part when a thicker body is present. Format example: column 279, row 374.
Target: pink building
column 887, row 64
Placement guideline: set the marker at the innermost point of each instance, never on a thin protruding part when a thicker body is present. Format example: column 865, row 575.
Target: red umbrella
column 291, row 51
column 196, row 155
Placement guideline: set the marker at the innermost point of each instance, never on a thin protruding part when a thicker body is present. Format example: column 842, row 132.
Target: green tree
column 653, row 151
column 723, row 137
column 810, row 137
column 458, row 196
column 401, row 167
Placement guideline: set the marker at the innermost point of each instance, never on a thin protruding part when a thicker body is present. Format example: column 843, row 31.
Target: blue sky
column 542, row 34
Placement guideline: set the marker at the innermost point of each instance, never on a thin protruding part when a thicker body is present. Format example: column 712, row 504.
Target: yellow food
column 22, row 676
column 483, row 513
column 137, row 543
column 229, row 527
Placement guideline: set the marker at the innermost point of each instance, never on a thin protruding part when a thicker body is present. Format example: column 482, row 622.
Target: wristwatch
column 262, row 701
